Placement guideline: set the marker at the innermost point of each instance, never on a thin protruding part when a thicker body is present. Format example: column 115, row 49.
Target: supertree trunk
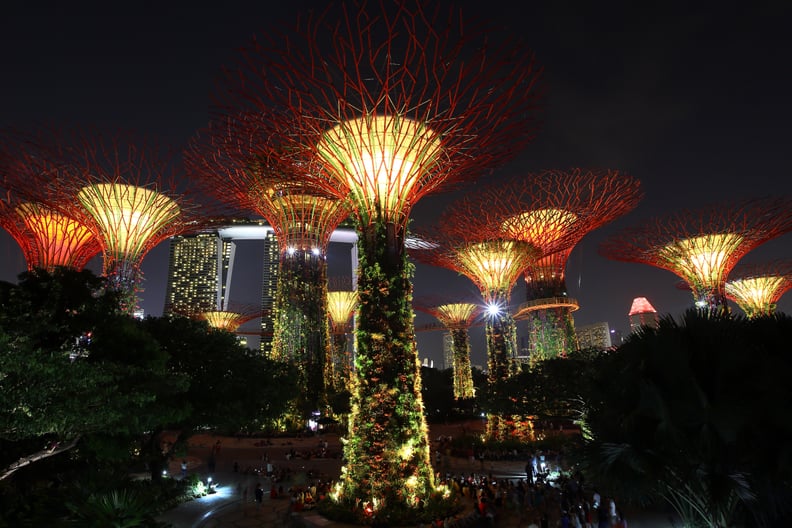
column 463, row 377
column 340, row 366
column 551, row 333
column 301, row 330
column 387, row 453
column 501, row 332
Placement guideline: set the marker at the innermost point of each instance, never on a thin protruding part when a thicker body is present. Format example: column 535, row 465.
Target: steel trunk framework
column 228, row 162
column 456, row 317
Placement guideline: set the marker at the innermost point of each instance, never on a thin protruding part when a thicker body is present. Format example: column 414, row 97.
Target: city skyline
column 691, row 102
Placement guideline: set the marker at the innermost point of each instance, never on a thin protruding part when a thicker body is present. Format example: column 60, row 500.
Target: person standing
column 259, row 494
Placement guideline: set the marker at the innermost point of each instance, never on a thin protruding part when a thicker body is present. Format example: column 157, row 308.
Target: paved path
column 230, row 508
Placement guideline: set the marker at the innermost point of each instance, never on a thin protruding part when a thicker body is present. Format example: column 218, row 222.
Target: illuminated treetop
column 47, row 238
column 494, row 265
column 552, row 210
column 229, row 320
column 392, row 100
column 340, row 306
column 703, row 246
column 756, row 288
column 122, row 188
column 451, row 314
column 226, row 160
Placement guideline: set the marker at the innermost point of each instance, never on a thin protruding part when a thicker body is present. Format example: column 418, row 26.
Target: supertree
column 227, row 160
column 702, row 246
column 756, row 288
column 46, row 237
column 387, row 101
column 341, row 305
column 228, row 317
column 456, row 317
column 553, row 210
column 474, row 248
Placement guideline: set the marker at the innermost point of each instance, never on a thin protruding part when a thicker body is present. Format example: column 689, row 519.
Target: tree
column 229, row 387
column 696, row 413
column 72, row 365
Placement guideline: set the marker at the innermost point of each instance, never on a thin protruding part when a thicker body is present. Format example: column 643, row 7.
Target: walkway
column 229, row 508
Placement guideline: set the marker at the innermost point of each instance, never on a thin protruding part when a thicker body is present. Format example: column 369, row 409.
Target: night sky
column 693, row 102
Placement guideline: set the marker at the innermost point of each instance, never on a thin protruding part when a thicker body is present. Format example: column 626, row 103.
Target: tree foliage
column 696, row 412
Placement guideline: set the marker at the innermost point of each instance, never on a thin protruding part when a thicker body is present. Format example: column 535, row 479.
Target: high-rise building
column 642, row 313
column 268, row 287
column 196, row 270
column 596, row 335
column 201, row 266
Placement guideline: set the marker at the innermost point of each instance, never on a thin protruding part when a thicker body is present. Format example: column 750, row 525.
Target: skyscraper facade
column 196, row 267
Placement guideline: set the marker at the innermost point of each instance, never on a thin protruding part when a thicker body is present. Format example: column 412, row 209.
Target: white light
column 315, row 251
column 290, row 251
column 493, row 310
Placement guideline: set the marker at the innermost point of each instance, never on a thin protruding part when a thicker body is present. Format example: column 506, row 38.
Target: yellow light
column 455, row 313
column 702, row 259
column 540, row 226
column 381, row 159
column 411, row 482
column 406, row 450
column 229, row 321
column 340, row 305
column 495, row 264
column 128, row 216
column 756, row 295
column 58, row 237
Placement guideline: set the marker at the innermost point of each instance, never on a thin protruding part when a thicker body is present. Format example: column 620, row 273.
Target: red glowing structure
column 121, row 189
column 756, row 288
column 46, row 237
column 456, row 317
column 702, row 246
column 641, row 314
column 226, row 159
column 553, row 210
column 391, row 102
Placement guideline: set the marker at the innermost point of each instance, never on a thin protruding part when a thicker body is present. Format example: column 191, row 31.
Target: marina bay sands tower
column 201, row 268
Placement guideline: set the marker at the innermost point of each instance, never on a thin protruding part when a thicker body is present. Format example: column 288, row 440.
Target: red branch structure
column 47, row 237
column 385, row 102
column 123, row 190
column 552, row 210
column 703, row 246
column 756, row 288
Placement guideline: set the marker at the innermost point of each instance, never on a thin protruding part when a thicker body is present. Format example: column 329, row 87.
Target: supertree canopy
column 228, row 161
column 341, row 305
column 756, row 288
column 392, row 101
column 553, row 210
column 457, row 318
column 119, row 187
column 703, row 246
column 47, row 237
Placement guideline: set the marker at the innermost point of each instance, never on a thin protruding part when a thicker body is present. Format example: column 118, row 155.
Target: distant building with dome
column 642, row 313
